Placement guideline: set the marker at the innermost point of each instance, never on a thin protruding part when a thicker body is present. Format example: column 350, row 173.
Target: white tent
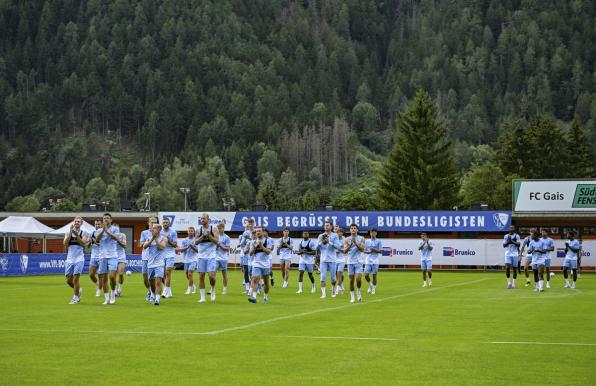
column 23, row 226
column 60, row 232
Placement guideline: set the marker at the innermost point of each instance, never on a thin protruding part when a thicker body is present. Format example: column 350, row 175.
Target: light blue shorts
column 547, row 262
column 305, row 267
column 511, row 260
column 206, row 265
column 221, row 265
column 426, row 265
column 256, row 271
column 94, row 262
column 169, row 262
column 570, row 263
column 72, row 269
column 537, row 263
column 122, row 260
column 283, row 261
column 144, row 269
column 339, row 267
column 152, row 273
column 107, row 265
column 371, row 268
column 328, row 267
column 190, row 266
column 354, row 269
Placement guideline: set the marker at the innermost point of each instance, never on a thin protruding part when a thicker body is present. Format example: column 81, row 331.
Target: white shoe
column 285, row 285
column 373, row 291
column 547, row 284
column 368, row 290
column 573, row 286
column 352, row 300
column 112, row 300
column 430, row 283
column 424, row 284
column 105, row 302
column 73, row 300
column 567, row 286
column 202, row 300
column 213, row 296
column 323, row 296
column 187, row 291
column 299, row 291
column 193, row 289
column 224, row 291
column 359, row 298
column 98, row 293
column 313, row 290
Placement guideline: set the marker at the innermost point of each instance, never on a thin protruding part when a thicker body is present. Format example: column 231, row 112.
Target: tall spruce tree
column 419, row 172
column 580, row 153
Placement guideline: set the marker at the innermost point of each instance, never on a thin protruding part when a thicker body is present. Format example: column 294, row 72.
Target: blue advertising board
column 20, row 264
column 411, row 221
column 388, row 221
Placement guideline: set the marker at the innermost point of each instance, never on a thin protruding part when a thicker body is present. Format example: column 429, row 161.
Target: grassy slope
column 439, row 335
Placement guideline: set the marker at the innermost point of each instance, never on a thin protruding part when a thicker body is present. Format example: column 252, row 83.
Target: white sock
column 324, row 291
column 254, row 295
column 158, row 296
column 212, row 290
column 567, row 281
column 225, row 288
column 430, row 281
column 202, row 291
column 299, row 286
column 352, row 294
column 540, row 284
column 508, row 281
column 514, row 280
column 358, row 292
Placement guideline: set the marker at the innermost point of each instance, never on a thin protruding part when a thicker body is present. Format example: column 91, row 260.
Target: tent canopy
column 66, row 228
column 23, row 226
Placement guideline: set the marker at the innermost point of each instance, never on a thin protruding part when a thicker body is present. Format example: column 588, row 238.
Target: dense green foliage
column 287, row 103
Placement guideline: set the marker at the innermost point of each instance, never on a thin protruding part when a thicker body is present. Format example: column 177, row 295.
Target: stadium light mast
column 185, row 191
column 228, row 203
column 148, row 201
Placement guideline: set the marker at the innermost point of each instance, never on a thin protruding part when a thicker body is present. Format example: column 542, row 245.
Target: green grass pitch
column 404, row 334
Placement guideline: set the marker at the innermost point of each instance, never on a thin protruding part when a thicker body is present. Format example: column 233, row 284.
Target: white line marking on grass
column 545, row 343
column 320, row 310
column 127, row 332
column 333, row 337
column 249, row 325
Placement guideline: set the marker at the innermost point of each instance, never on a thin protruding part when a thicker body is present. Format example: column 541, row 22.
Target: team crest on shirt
column 501, row 220
column 24, row 263
column 4, row 264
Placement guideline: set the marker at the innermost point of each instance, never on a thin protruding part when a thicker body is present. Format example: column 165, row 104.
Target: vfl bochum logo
column 170, row 217
column 24, row 263
column 501, row 220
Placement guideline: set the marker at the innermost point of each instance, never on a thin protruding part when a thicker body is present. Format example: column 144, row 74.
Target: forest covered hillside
column 289, row 104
